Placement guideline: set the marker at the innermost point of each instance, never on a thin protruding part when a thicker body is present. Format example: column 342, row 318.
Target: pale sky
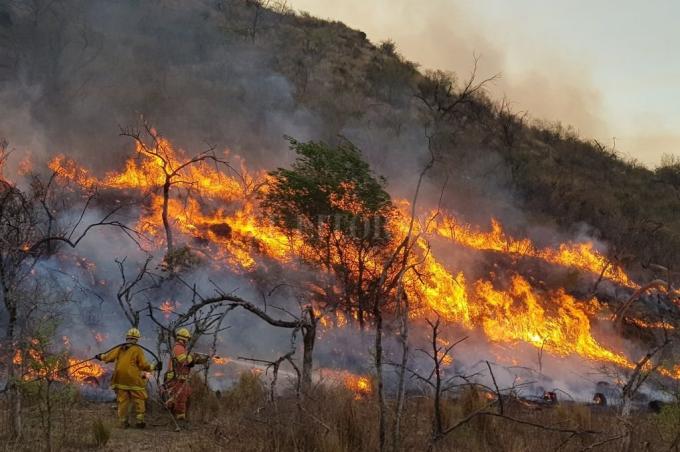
column 609, row 68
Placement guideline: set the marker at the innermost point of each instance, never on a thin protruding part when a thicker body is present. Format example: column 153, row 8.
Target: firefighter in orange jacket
column 128, row 380
column 177, row 378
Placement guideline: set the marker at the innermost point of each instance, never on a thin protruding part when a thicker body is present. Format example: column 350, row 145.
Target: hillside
column 234, row 74
column 240, row 178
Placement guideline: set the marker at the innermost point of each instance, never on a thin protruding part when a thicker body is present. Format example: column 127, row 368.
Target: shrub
column 101, row 433
column 249, row 391
column 668, row 420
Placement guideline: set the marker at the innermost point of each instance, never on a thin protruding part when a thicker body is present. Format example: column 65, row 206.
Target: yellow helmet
column 183, row 333
column 133, row 333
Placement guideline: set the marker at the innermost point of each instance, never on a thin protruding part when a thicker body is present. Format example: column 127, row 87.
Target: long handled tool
column 56, row 371
column 63, row 369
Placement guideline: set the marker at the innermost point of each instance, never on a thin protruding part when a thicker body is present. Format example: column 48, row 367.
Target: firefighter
column 177, row 385
column 128, row 379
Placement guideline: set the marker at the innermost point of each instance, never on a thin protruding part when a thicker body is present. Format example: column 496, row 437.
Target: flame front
column 35, row 365
column 582, row 256
column 219, row 211
column 360, row 385
column 84, row 372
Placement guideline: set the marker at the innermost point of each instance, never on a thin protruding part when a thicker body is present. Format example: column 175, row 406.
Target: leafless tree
column 131, row 290
column 644, row 368
column 403, row 308
column 509, row 123
column 205, row 315
column 275, row 365
column 251, row 17
column 440, row 385
column 174, row 171
column 305, row 323
column 31, row 229
column 443, row 98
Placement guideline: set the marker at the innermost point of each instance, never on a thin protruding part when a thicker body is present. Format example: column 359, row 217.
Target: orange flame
column 216, row 210
column 360, row 385
column 582, row 256
column 38, row 366
column 84, row 372
column 168, row 308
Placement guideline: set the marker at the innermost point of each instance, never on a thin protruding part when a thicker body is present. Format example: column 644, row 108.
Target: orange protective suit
column 128, row 380
column 177, row 380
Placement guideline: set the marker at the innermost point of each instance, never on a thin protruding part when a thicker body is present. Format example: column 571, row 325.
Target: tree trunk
column 401, row 386
column 15, row 426
column 438, row 424
column 308, row 338
column 166, row 221
column 377, row 314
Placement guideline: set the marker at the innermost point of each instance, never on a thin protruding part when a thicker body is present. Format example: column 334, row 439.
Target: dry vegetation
column 335, row 419
column 347, row 84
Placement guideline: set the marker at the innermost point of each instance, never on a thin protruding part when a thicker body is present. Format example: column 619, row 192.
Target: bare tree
column 644, row 368
column 30, row 230
column 403, row 307
column 438, row 354
column 383, row 292
column 275, row 365
column 130, row 290
column 305, row 322
column 440, row 94
column 174, row 171
column 251, row 17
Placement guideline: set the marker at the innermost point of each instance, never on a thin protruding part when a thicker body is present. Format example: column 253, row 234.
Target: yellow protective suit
column 128, row 380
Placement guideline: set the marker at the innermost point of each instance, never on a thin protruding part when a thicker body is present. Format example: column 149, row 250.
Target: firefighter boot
column 183, row 423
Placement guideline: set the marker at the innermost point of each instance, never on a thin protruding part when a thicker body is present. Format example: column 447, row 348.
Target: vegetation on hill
column 223, row 67
column 243, row 74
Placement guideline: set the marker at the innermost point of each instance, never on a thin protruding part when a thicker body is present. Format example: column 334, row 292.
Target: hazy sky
column 609, row 68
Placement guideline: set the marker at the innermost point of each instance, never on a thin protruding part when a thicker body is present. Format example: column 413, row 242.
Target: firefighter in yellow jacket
column 128, row 380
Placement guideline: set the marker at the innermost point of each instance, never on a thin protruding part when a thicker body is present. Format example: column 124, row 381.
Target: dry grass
column 330, row 420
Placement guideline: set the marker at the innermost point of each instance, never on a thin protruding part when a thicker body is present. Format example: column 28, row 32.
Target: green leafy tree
column 336, row 210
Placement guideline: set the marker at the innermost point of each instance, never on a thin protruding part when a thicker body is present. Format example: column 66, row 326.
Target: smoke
column 115, row 61
column 89, row 67
column 446, row 35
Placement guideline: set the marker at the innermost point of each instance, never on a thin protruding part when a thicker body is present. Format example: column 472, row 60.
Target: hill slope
column 234, row 74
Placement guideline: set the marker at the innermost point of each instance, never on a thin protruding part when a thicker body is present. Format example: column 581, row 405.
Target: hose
column 96, row 357
column 63, row 369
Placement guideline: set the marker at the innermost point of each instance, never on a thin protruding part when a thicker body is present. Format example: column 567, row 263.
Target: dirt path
column 159, row 434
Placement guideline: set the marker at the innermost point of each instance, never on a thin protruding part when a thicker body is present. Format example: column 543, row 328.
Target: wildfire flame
column 220, row 213
column 360, row 385
column 168, row 307
column 37, row 366
column 84, row 372
column 220, row 361
column 582, row 256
